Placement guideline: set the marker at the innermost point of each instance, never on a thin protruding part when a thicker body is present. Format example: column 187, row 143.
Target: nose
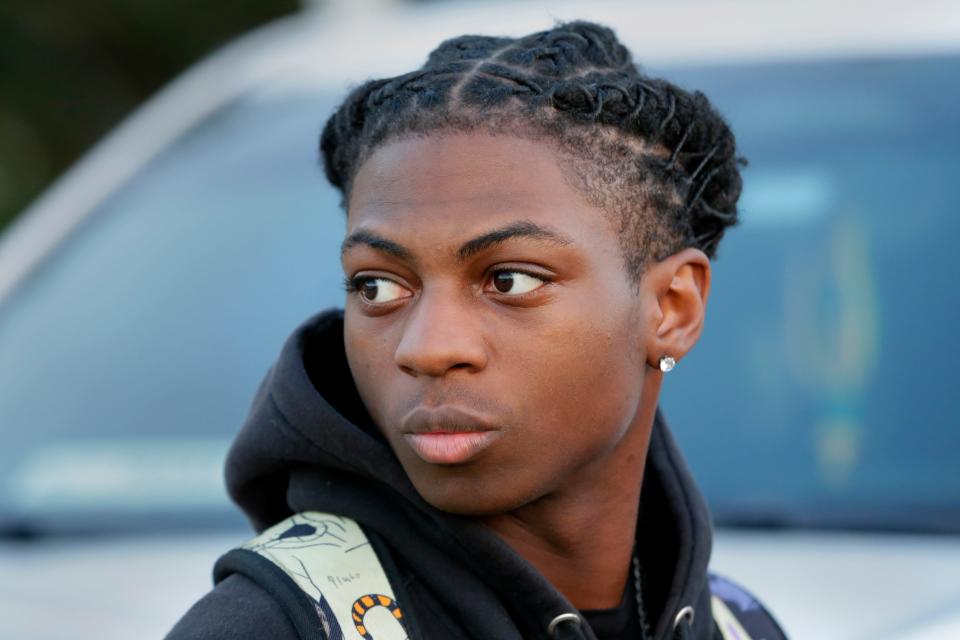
column 441, row 334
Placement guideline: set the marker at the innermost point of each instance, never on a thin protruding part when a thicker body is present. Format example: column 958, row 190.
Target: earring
column 667, row 363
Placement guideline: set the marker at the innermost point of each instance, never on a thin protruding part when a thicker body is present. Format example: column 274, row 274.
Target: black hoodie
column 308, row 444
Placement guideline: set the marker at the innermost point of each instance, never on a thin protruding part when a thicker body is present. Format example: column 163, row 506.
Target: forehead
column 465, row 182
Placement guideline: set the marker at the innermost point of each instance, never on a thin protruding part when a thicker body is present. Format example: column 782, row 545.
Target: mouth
column 447, row 436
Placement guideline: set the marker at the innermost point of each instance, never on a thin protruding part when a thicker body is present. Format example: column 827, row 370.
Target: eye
column 516, row 283
column 379, row 290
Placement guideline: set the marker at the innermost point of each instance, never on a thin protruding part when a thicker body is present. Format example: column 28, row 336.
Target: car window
column 820, row 394
column 822, row 391
column 130, row 358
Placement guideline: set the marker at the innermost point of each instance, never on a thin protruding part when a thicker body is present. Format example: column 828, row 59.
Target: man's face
column 493, row 335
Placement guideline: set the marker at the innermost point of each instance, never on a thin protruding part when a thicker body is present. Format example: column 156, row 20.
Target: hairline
column 577, row 167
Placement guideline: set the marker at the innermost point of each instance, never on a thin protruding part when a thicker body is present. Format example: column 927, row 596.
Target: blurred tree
column 70, row 70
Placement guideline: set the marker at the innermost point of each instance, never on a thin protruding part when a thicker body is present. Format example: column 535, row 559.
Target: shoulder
column 321, row 572
column 740, row 614
column 236, row 608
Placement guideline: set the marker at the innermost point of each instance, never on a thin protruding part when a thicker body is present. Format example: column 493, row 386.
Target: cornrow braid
column 661, row 162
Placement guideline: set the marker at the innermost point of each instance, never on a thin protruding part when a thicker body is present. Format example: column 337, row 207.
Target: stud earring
column 667, row 363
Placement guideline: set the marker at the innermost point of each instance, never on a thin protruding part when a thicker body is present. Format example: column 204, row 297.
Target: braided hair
column 658, row 160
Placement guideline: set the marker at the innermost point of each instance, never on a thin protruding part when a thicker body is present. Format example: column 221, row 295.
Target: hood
column 308, row 444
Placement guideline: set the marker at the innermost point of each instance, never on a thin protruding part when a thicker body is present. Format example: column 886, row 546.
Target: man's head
column 529, row 225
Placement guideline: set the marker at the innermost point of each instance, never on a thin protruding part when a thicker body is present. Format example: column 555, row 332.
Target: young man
column 472, row 449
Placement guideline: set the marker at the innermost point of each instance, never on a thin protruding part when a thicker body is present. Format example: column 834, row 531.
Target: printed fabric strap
column 730, row 627
column 739, row 615
column 328, row 559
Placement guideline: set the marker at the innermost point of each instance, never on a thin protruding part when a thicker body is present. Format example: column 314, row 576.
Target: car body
column 143, row 296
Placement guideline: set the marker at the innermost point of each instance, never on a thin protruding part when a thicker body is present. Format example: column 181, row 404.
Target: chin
column 462, row 496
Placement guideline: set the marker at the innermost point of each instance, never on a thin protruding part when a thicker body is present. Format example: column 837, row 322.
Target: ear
column 676, row 288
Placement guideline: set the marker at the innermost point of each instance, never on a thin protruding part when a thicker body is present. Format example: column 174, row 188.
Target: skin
column 563, row 368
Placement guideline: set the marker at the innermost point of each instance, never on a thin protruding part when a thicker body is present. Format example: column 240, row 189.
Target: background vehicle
column 143, row 298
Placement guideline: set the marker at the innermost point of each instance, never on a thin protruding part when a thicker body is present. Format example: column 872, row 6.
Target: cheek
column 368, row 353
column 585, row 377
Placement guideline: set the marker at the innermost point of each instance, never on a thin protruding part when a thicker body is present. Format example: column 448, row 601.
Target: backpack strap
column 325, row 574
column 739, row 615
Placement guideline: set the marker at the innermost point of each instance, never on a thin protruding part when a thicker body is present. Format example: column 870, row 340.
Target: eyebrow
column 522, row 229
column 375, row 241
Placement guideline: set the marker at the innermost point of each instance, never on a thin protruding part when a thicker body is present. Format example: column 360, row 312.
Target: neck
column 581, row 537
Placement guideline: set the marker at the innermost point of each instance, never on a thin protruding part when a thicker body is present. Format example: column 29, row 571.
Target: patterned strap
column 330, row 560
column 739, row 615
column 730, row 627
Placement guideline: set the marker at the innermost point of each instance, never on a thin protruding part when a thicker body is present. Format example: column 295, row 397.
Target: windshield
column 128, row 361
column 820, row 391
column 818, row 395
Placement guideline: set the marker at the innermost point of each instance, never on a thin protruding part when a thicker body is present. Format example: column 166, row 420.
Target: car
column 146, row 293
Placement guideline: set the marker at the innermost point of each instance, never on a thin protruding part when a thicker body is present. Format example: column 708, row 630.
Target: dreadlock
column 660, row 161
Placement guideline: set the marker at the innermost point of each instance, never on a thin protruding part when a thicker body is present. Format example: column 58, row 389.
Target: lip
column 448, row 447
column 447, row 435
